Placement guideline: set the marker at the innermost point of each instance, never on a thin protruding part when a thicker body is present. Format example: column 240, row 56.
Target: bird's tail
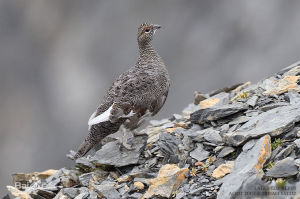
column 85, row 146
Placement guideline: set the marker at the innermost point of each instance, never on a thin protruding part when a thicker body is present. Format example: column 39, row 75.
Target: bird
column 138, row 93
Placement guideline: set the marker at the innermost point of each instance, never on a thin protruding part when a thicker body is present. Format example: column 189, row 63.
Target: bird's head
column 146, row 32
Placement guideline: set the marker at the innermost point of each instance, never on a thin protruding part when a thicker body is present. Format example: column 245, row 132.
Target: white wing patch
column 105, row 117
column 100, row 118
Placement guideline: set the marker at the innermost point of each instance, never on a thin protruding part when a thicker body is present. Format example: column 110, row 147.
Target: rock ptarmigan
column 140, row 91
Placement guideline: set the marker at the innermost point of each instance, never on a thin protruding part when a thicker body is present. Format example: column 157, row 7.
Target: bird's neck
column 146, row 50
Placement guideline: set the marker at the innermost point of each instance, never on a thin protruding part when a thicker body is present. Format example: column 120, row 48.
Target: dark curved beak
column 156, row 26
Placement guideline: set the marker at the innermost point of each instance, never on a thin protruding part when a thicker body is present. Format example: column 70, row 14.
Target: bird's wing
column 109, row 108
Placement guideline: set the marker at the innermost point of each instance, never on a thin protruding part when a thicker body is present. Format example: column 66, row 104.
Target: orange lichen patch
column 46, row 174
column 293, row 72
column 124, row 179
column 209, row 102
column 92, row 181
column 15, row 192
column 167, row 180
column 149, row 145
column 35, row 176
column 170, row 130
column 265, row 153
column 199, row 163
column 239, row 88
column 223, row 169
column 283, row 85
column 182, row 125
column 139, row 185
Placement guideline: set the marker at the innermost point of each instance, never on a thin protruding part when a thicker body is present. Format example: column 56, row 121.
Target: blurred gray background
column 58, row 57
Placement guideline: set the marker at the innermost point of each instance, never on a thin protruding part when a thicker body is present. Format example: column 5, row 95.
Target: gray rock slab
column 297, row 143
column 252, row 101
column 71, row 192
column 250, row 162
column 225, row 151
column 283, row 168
column 210, row 114
column 199, row 153
column 285, row 152
column 239, row 120
column 114, row 154
column 85, row 162
column 213, row 136
column 293, row 97
column 273, row 122
column 108, row 190
column 168, row 145
column 84, row 179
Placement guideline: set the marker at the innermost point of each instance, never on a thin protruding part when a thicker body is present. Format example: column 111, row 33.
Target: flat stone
column 169, row 178
column 112, row 154
column 283, row 168
column 82, row 196
column 273, row 105
column 285, row 152
column 225, row 151
column 250, row 162
column 168, row 145
column 282, row 85
column 239, row 120
column 71, row 192
column 252, row 101
column 273, row 122
column 199, row 153
column 107, row 189
column 158, row 122
column 210, row 114
column 297, row 143
column 213, row 136
column 44, row 193
column 85, row 162
column 293, row 97
column 223, row 169
column 84, row 179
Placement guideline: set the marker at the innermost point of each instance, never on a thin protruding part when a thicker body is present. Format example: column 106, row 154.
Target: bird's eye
column 147, row 30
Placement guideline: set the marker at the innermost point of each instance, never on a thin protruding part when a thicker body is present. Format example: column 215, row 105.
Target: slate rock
column 223, row 169
column 250, row 162
column 293, row 97
column 82, row 196
column 169, row 178
column 84, row 179
column 285, row 152
column 297, row 143
column 210, row 114
column 71, row 192
column 283, row 168
column 254, row 186
column 113, row 154
column 168, row 145
column 252, row 101
column 199, row 153
column 107, row 189
column 85, row 162
column 213, row 136
column 225, row 151
column 273, row 105
column 273, row 122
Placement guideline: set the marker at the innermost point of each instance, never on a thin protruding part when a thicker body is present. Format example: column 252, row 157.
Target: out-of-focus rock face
column 233, row 142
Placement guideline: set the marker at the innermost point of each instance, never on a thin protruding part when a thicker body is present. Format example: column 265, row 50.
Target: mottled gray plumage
column 141, row 90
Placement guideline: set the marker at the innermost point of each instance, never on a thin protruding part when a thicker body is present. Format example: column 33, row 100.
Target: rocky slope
column 237, row 142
